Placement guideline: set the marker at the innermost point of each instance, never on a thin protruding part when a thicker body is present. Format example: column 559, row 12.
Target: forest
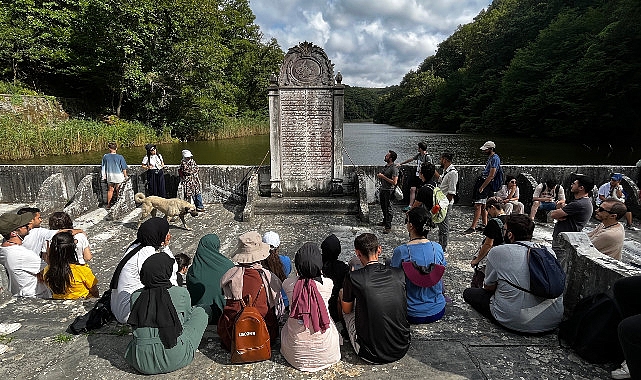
column 188, row 66
column 549, row 69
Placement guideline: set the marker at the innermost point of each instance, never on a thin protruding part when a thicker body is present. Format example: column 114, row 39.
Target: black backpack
column 591, row 331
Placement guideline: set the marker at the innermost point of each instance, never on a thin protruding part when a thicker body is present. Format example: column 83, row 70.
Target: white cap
column 488, row 145
column 271, row 238
column 187, row 153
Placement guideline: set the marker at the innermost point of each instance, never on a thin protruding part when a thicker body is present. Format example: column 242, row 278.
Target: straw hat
column 250, row 248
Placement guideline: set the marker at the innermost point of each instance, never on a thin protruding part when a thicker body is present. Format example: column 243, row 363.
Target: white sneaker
column 621, row 373
column 3, row 348
column 8, row 328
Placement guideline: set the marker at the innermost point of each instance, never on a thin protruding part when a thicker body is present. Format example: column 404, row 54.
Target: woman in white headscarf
column 190, row 181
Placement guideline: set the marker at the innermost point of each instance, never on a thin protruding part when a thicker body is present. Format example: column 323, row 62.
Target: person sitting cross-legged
column 503, row 303
column 509, row 194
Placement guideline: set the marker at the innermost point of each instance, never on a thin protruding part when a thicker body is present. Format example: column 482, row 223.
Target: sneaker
column 621, row 373
column 3, row 348
column 387, row 230
column 407, row 208
column 468, row 231
column 8, row 328
column 630, row 227
column 200, row 209
column 480, row 228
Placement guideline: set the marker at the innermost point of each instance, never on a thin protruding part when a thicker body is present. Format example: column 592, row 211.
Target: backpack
column 440, row 204
column 97, row 317
column 250, row 341
column 591, row 331
column 547, row 278
column 498, row 179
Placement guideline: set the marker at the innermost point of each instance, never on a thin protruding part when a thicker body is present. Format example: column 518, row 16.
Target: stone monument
column 306, row 111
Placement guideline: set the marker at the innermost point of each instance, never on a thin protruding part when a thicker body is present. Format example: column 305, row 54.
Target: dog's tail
column 139, row 197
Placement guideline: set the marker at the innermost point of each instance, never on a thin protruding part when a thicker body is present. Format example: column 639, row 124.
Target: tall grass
column 22, row 139
column 237, row 127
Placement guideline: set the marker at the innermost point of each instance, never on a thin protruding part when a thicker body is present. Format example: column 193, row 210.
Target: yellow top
column 83, row 280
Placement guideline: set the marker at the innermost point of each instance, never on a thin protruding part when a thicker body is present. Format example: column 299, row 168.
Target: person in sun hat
column 23, row 266
column 190, row 181
column 249, row 278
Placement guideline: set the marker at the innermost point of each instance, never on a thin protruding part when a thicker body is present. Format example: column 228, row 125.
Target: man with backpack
column 430, row 196
column 506, row 297
column 547, row 196
column 490, row 181
column 449, row 181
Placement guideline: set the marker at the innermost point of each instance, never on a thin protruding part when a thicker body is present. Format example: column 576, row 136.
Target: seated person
column 309, row 339
column 247, row 279
column 336, row 270
column 23, row 266
column 547, row 196
column 614, row 190
column 184, row 262
column 504, row 304
column 608, row 236
column 374, row 306
column 167, row 330
column 67, row 278
column 152, row 236
column 38, row 236
column 203, row 276
column 62, row 221
column 278, row 264
column 424, row 304
column 493, row 232
column 509, row 195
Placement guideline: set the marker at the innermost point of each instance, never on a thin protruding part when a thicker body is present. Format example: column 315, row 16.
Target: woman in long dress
column 154, row 164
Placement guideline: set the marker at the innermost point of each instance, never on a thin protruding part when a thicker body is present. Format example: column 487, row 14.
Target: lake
column 367, row 144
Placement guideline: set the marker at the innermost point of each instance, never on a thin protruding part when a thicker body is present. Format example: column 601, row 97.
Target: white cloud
column 373, row 43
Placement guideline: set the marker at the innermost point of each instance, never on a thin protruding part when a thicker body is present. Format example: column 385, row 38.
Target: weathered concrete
column 461, row 345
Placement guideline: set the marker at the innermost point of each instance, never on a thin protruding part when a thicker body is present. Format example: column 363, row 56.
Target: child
column 184, row 262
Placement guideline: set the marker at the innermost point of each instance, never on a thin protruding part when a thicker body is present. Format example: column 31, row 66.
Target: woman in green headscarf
column 203, row 277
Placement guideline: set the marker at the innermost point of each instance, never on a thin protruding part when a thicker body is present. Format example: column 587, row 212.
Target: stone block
column 53, row 194
column 84, row 199
column 125, row 202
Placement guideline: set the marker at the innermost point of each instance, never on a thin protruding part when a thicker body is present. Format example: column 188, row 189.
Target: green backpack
column 440, row 204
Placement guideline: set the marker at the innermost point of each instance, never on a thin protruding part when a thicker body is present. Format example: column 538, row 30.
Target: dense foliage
column 361, row 102
column 187, row 65
column 555, row 68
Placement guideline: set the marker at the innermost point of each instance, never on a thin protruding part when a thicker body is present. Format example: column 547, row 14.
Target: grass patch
column 63, row 338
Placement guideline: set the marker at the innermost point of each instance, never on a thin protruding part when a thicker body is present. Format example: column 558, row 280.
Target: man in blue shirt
column 114, row 171
column 482, row 187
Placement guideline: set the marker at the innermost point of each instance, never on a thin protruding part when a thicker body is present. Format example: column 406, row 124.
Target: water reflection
column 367, row 144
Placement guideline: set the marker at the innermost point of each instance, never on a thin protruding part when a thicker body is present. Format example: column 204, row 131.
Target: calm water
column 367, row 144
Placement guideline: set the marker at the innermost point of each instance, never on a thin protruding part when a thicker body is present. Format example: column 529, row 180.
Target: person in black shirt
column 336, row 270
column 425, row 195
column 375, row 306
column 493, row 231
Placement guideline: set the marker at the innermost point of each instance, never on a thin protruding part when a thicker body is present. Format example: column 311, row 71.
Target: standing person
column 389, row 178
column 203, row 276
column 62, row 221
column 424, row 304
column 483, row 186
column 449, row 180
column 509, row 194
column 154, row 164
column 415, row 181
column 375, row 306
column 575, row 214
column 23, row 266
column 67, row 279
column 503, row 303
column 152, row 237
column 114, row 171
column 614, row 190
column 309, row 339
column 547, row 196
column 167, row 330
column 608, row 236
column 190, row 181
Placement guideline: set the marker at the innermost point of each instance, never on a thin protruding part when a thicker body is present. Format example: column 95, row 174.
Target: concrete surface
column 463, row 345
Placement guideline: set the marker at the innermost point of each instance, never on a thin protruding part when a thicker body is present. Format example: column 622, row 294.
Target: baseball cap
column 617, row 176
column 11, row 222
column 488, row 145
column 272, row 239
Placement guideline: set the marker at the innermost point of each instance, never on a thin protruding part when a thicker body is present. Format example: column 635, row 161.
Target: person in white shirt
column 38, row 236
column 23, row 266
column 62, row 221
column 154, row 164
column 153, row 238
column 449, row 180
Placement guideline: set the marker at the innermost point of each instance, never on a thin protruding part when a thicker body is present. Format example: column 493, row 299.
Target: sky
column 373, row 43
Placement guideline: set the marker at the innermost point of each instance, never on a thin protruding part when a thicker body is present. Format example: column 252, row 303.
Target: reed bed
column 237, row 127
column 23, row 140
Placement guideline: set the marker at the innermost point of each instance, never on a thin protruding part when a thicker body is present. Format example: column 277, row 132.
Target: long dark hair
column 62, row 253
column 273, row 263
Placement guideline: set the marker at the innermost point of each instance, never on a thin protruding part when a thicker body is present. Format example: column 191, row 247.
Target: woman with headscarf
column 153, row 236
column 336, row 270
column 309, row 339
column 166, row 328
column 188, row 172
column 246, row 280
column 203, row 276
column 154, row 164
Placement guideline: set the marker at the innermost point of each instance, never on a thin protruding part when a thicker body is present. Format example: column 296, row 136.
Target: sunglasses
column 513, row 181
column 602, row 209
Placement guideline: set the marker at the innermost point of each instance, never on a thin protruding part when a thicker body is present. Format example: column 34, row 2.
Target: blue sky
column 373, row 43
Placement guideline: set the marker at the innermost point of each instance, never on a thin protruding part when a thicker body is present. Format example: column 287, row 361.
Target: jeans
column 444, row 229
column 198, row 201
column 386, row 206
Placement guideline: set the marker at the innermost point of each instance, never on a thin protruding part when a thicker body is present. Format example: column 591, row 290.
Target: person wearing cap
column 503, row 303
column 574, row 215
column 248, row 278
column 483, row 188
column 614, row 190
column 278, row 264
column 190, row 181
column 154, row 165
column 608, row 236
column 114, row 171
column 24, row 267
column 375, row 306
column 425, row 304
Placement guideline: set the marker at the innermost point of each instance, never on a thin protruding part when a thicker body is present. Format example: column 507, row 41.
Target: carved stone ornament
column 306, row 65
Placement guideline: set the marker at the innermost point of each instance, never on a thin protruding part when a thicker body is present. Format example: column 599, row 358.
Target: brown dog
column 172, row 208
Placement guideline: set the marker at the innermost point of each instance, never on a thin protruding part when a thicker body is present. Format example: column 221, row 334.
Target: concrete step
column 306, row 205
